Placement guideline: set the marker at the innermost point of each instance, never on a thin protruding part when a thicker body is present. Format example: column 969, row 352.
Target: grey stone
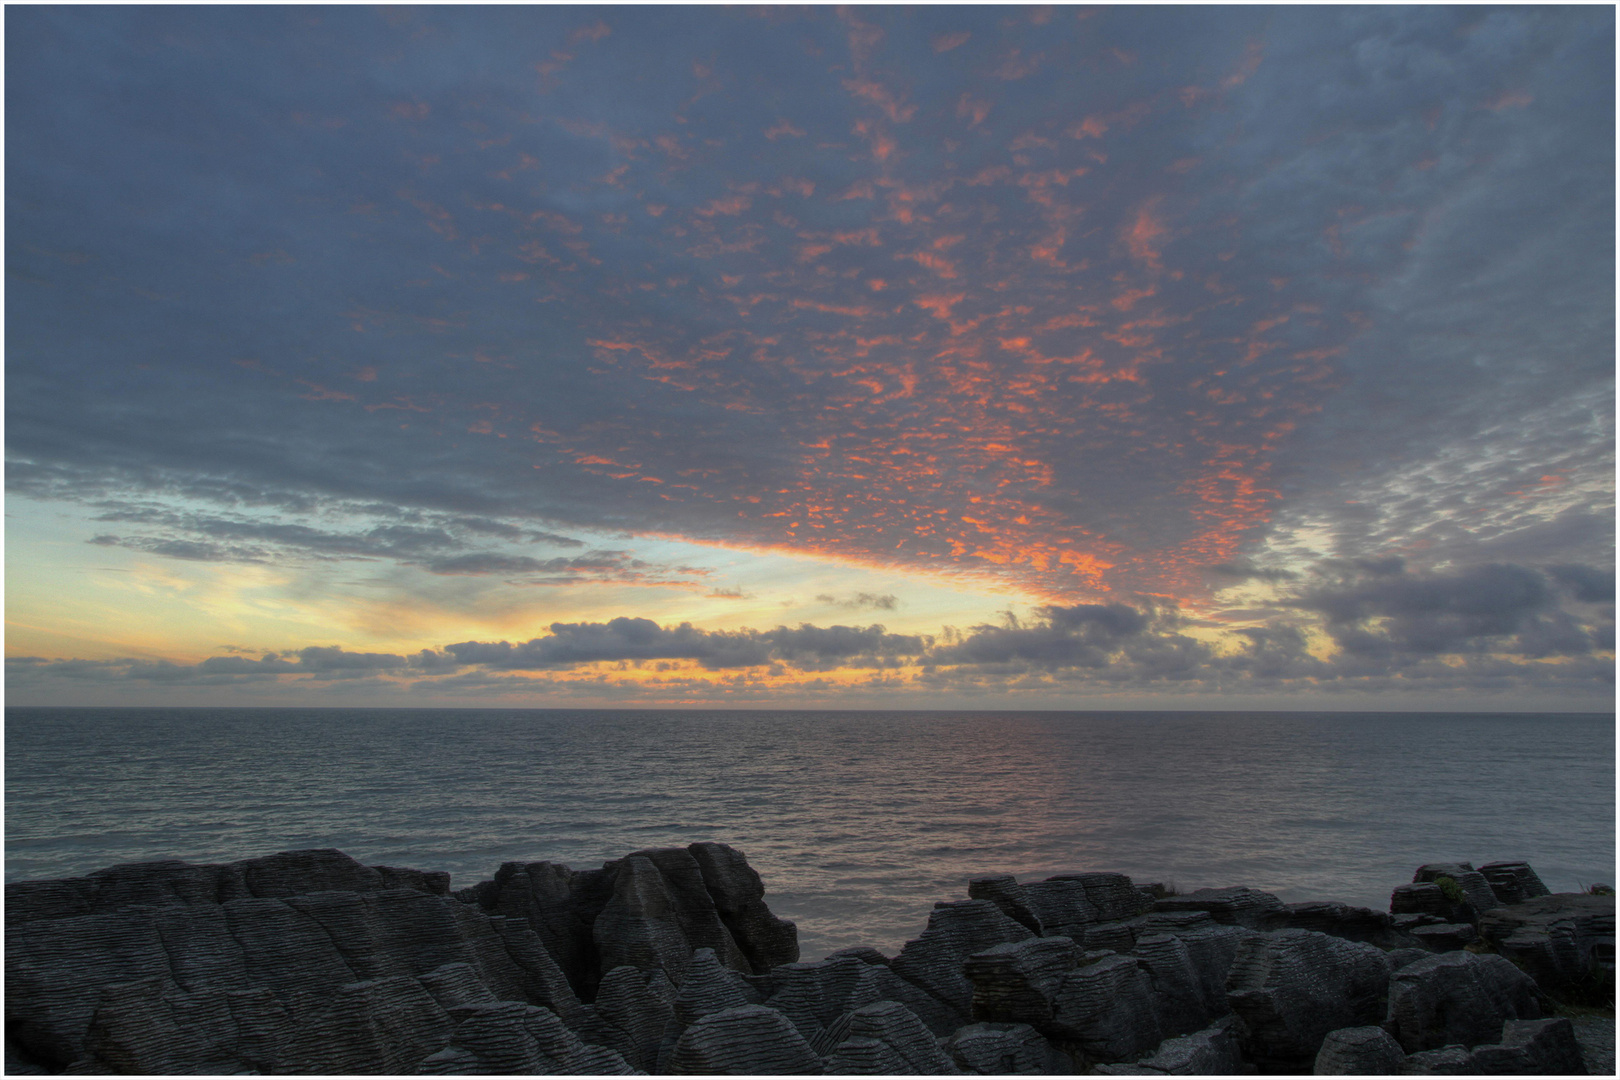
column 990, row 1049
column 634, row 1013
column 1421, row 899
column 1513, row 882
column 1339, row 920
column 510, row 1037
column 887, row 1037
column 1536, row 1047
column 1017, row 982
column 1359, row 1051
column 955, row 931
column 706, row 987
column 1236, row 906
column 1564, row 940
column 1446, row 1061
column 1291, row 987
column 1458, row 998
column 1214, row 1051
column 1004, row 891
column 1106, row 1009
column 1444, row 937
column 1476, row 890
column 750, row 1040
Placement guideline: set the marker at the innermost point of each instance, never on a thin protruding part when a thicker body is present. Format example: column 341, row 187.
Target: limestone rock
column 1422, row 899
column 1061, row 907
column 1339, row 920
column 634, row 1013
column 1542, row 1047
column 1018, row 982
column 1460, row 998
column 955, row 931
column 510, row 1037
column 1290, row 988
column 1359, row 1051
column 1213, row 1051
column 1446, row 1061
column 1444, row 937
column 1565, row 940
column 1180, row 1000
column 706, row 987
column 1004, row 891
column 1106, row 1008
column 1513, row 882
column 1476, row 891
column 1237, row 906
column 988, row 1049
column 749, row 1040
column 887, row 1038
column 302, row 947
column 650, row 910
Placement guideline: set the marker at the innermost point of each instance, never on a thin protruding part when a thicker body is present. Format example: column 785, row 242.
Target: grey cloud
column 1588, row 584
column 873, row 601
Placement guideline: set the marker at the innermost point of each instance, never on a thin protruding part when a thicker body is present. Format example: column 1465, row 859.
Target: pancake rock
column 1359, row 1051
column 1564, row 940
column 1291, row 987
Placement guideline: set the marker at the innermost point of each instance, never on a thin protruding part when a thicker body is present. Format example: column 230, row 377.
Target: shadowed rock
column 649, row 910
column 1476, row 891
column 1236, row 906
column 1359, row 1051
column 1564, row 940
column 1211, row 1052
column 933, row 961
column 1458, row 998
column 1339, row 920
column 510, row 1037
column 1422, row 899
column 1544, row 1047
column 1004, row 891
column 1006, row 1050
column 1446, row 1061
column 634, row 1013
column 750, row 1040
column 1290, row 988
column 1513, row 882
column 887, row 1038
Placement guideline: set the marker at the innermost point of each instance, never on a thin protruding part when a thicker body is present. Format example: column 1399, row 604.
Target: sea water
column 858, row 821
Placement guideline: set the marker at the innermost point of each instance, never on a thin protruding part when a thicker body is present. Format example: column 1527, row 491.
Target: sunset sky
column 931, row 357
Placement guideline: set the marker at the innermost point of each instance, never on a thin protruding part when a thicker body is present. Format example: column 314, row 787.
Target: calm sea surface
column 857, row 821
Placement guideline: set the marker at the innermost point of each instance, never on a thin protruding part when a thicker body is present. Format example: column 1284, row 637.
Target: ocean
column 857, row 821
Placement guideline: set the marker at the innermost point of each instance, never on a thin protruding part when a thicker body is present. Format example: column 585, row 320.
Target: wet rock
column 1359, row 1051
column 1542, row 1047
column 934, row 960
column 1237, row 906
column 990, row 1049
column 510, row 1037
column 1564, row 940
column 1290, row 988
column 1513, row 882
column 887, row 1038
column 749, row 1040
column 1458, row 998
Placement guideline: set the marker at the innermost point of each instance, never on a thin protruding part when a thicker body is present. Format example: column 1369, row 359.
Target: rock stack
column 669, row 961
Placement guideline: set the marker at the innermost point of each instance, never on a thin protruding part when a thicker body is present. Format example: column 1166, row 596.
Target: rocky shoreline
column 670, row 961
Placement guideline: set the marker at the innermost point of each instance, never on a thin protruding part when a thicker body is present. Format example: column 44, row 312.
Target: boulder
column 1422, row 899
column 510, row 1037
column 1339, row 920
column 1458, row 998
column 649, row 910
column 1541, row 1047
column 1004, row 891
column 749, row 1040
column 1106, row 1009
column 1237, row 906
column 634, row 1014
column 989, row 1049
column 1513, row 882
column 885, row 1037
column 1291, row 987
column 1359, row 1051
column 1213, row 1051
column 933, row 961
column 1018, row 982
column 706, row 987
column 1446, row 1061
column 1564, row 940
column 1470, row 883
column 1444, row 937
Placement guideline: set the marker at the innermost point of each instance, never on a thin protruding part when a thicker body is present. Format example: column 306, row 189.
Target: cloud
column 874, row 601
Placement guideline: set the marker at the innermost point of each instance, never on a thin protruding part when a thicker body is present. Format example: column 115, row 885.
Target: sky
column 925, row 357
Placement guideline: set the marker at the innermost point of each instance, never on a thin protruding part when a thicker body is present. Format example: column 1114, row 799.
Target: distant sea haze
column 858, row 821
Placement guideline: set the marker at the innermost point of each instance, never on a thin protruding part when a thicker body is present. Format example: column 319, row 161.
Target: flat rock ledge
column 669, row 961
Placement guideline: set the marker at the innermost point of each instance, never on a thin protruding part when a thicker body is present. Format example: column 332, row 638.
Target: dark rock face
column 955, row 931
column 1513, row 882
column 1238, row 906
column 1565, row 940
column 648, row 910
column 1458, row 998
column 886, row 1038
column 1359, row 1051
column 749, row 1040
column 1339, row 920
column 1422, row 899
column 510, row 1037
column 1444, row 937
column 1544, row 1047
column 248, row 978
column 1213, row 1051
column 1006, row 1050
column 633, row 1014
column 1291, row 987
column 1476, row 891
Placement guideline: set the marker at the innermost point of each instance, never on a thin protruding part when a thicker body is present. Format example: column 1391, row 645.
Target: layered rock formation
column 669, row 961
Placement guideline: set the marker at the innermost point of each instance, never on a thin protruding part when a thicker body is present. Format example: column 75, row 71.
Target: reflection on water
column 857, row 821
